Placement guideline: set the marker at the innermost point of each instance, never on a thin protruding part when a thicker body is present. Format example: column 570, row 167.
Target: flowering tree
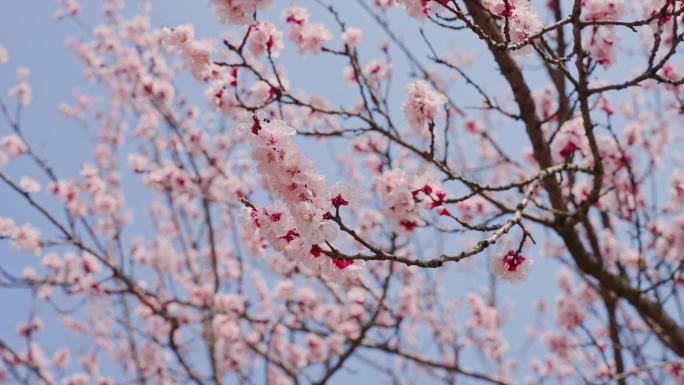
column 251, row 267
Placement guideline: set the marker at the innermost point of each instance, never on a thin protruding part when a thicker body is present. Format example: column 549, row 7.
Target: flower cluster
column 264, row 37
column 523, row 20
column 485, row 321
column 562, row 344
column 302, row 222
column 402, row 197
column 603, row 9
column 104, row 200
column 25, row 237
column 68, row 191
column 546, row 101
column 573, row 300
column 277, row 226
column 309, row 37
column 289, row 175
column 615, row 252
column 602, row 44
column 652, row 7
column 668, row 239
column 195, row 53
column 221, row 93
column 422, row 105
column 570, row 139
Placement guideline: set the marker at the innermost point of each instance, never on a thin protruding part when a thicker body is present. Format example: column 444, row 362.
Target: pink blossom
column 33, row 355
column 265, row 38
column 137, row 162
column 377, row 71
column 512, row 267
column 317, row 348
column 569, row 313
column 27, row 238
column 570, row 140
column 302, row 221
column 546, row 101
column 65, row 190
column 312, row 224
column 22, row 91
column 352, row 36
column 472, row 208
column 52, row 261
column 602, row 44
column 296, row 15
column 6, row 227
column 670, row 73
column 29, row 274
column 422, row 105
column 404, row 196
column 297, row 357
column 651, row 7
column 562, row 344
column 90, row 264
column 374, row 71
column 29, row 184
column 398, row 201
column 195, row 53
column 564, row 280
column 230, row 303
column 676, row 370
column 523, row 20
column 309, row 37
column 261, row 92
column 603, row 9
column 12, row 145
column 419, row 8
column 178, row 36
